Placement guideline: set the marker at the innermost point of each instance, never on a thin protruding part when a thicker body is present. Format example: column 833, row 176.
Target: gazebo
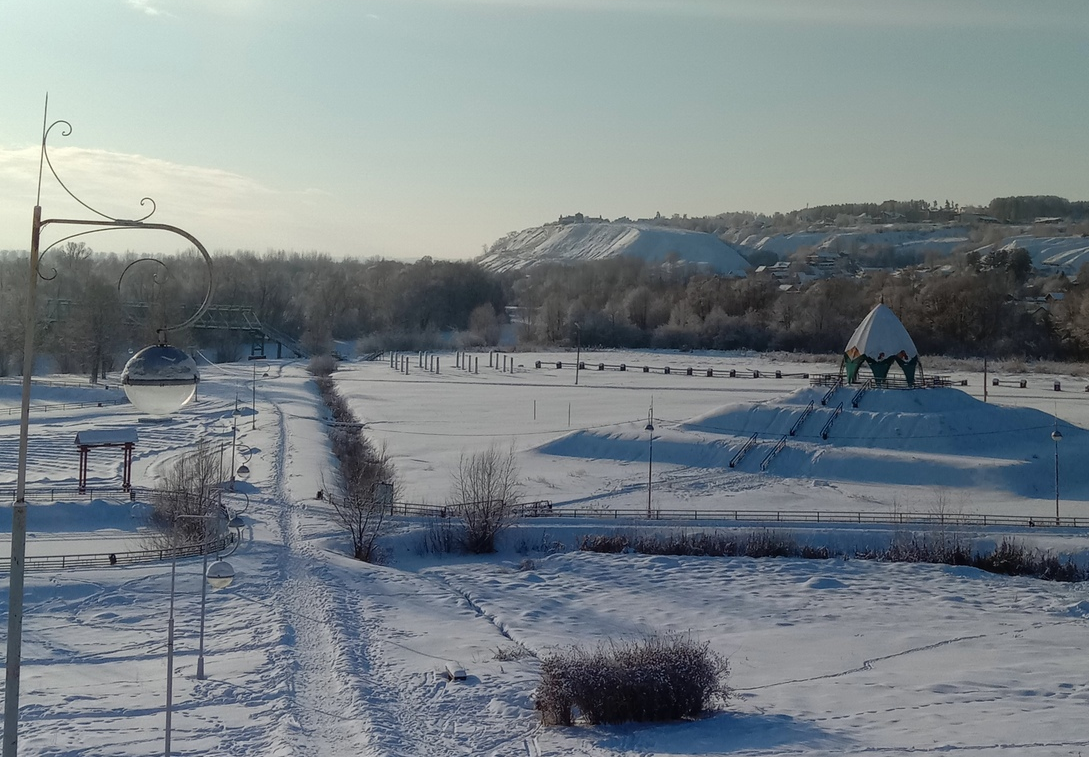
column 879, row 341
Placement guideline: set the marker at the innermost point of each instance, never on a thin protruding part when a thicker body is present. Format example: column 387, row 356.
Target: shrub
column 512, row 652
column 756, row 544
column 485, row 494
column 1010, row 558
column 191, row 489
column 653, row 679
column 368, row 478
column 322, row 365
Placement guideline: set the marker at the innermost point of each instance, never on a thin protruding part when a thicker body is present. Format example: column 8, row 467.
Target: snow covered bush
column 762, row 543
column 485, row 494
column 368, row 480
column 657, row 678
column 192, row 486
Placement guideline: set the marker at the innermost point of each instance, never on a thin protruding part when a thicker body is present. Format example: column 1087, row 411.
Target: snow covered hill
column 919, row 238
column 595, row 240
column 941, row 437
column 1065, row 253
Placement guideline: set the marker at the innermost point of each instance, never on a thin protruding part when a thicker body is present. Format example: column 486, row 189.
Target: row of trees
column 88, row 315
column 976, row 306
column 976, row 309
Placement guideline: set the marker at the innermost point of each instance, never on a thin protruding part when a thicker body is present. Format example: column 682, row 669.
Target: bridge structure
column 238, row 318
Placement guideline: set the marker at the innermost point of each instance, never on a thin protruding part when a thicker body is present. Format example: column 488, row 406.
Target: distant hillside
column 595, row 240
column 918, row 238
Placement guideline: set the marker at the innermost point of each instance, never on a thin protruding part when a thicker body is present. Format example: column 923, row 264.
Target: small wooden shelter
column 125, row 438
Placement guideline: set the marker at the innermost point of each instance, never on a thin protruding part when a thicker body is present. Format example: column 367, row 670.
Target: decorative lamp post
column 1056, row 436
column 578, row 351
column 154, row 384
column 234, row 437
column 253, row 406
column 219, row 574
column 650, row 457
column 247, row 454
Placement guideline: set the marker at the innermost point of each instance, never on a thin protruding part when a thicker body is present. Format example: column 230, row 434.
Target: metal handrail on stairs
column 828, row 424
column 867, row 386
column 774, row 451
column 798, row 423
column 743, row 451
column 831, row 391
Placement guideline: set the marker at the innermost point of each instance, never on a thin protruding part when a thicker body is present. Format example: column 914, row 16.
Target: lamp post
column 650, row 457
column 1056, row 436
column 234, row 437
column 253, row 406
column 578, row 351
column 220, row 575
column 163, row 379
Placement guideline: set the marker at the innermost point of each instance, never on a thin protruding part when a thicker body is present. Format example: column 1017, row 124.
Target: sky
column 404, row 128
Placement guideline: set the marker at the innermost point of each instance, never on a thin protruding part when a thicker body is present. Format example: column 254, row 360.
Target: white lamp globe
column 160, row 379
column 220, row 574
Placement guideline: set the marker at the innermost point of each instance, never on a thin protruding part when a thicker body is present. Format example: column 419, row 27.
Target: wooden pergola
column 124, row 438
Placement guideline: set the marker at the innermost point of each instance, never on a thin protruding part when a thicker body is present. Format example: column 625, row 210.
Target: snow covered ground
column 312, row 653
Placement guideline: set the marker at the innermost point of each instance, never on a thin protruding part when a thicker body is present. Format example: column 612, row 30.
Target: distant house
column 970, row 218
column 780, row 270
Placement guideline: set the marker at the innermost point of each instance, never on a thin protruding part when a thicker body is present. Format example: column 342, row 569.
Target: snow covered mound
column 594, row 240
column 929, row 437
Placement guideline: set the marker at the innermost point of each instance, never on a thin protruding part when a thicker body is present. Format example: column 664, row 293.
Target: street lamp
column 149, row 387
column 234, row 437
column 650, row 457
column 244, row 468
column 578, row 351
column 219, row 574
column 255, row 358
column 1056, row 436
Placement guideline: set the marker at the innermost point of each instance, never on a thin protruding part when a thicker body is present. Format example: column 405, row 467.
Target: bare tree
column 191, row 487
column 486, row 491
column 364, row 508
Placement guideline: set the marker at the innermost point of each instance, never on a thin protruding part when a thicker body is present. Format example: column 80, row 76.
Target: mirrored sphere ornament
column 160, row 379
column 220, row 574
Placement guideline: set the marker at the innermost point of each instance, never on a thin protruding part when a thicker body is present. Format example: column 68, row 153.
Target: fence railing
column 58, row 406
column 72, row 494
column 113, row 559
column 822, row 516
column 535, row 509
column 62, row 383
column 545, row 509
column 669, row 370
column 835, row 380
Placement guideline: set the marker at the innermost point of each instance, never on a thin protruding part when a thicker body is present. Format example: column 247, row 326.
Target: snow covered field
column 311, row 653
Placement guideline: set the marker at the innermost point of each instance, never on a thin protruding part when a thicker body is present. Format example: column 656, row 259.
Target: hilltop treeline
column 1020, row 210
column 971, row 307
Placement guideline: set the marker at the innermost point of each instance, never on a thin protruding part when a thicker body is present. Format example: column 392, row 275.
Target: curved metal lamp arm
column 108, row 223
column 122, row 225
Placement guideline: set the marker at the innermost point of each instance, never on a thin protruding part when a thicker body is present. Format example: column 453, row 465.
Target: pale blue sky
column 404, row 128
